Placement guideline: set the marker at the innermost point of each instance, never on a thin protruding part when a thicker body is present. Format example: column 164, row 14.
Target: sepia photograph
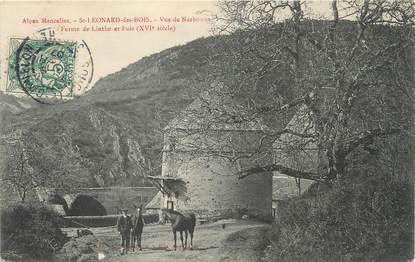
column 207, row 130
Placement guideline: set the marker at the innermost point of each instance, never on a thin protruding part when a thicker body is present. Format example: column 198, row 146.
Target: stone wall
column 213, row 189
column 297, row 152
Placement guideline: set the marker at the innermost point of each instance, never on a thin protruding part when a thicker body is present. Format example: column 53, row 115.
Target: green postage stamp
column 42, row 68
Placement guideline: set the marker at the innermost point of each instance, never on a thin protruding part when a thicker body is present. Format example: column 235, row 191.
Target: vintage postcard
column 212, row 130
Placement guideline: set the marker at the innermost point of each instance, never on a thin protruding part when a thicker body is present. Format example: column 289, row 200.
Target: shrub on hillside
column 30, row 231
column 370, row 220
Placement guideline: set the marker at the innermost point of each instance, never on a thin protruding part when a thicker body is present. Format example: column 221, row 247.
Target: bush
column 370, row 220
column 31, row 231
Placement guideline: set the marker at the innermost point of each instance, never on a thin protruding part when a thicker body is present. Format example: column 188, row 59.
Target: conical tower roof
column 216, row 110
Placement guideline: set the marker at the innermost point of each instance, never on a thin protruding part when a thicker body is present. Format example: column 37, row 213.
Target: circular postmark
column 84, row 69
column 47, row 33
column 43, row 67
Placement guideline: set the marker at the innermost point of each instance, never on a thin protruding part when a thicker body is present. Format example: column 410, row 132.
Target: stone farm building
column 299, row 153
column 204, row 147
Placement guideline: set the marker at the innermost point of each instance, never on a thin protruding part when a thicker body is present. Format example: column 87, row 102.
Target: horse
column 181, row 222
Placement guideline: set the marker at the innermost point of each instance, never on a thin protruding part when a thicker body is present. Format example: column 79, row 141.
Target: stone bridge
column 111, row 198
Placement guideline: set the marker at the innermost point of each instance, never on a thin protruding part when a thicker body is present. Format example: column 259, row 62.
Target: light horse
column 181, row 222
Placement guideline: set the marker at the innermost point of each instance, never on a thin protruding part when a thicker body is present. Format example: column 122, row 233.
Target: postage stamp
column 41, row 67
column 84, row 64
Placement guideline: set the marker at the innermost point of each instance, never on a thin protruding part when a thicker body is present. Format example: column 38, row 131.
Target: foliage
column 345, row 77
column 30, row 166
column 31, row 231
column 67, row 150
column 369, row 220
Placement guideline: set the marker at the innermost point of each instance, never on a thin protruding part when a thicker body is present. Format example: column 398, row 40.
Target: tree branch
column 368, row 137
column 283, row 169
column 291, row 132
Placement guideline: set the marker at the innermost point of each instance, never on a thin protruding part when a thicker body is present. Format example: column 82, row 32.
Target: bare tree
column 17, row 174
column 31, row 166
column 346, row 77
column 26, row 172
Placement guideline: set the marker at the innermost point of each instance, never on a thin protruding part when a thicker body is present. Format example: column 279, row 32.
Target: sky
column 111, row 50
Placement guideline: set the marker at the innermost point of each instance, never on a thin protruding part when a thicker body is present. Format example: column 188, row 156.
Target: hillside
column 114, row 132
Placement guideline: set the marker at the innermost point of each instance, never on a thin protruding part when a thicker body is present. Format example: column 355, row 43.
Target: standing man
column 124, row 226
column 138, row 224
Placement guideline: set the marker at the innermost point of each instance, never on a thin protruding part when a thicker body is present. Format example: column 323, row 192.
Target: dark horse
column 181, row 222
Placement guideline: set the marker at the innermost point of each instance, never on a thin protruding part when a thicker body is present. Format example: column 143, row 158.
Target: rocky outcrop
column 86, row 147
column 82, row 249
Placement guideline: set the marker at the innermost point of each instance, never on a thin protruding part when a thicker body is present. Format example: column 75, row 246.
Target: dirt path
column 208, row 245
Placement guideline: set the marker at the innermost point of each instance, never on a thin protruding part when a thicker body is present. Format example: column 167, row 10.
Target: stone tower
column 204, row 148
